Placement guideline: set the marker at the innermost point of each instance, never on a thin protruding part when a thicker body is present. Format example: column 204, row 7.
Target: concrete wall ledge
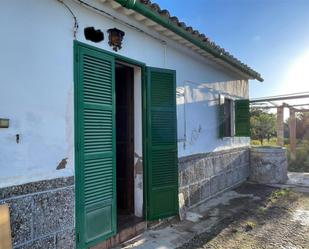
column 268, row 149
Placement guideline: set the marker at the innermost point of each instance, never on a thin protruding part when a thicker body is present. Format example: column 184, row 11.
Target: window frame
column 232, row 124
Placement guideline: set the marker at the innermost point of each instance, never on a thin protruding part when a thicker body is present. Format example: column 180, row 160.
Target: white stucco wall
column 36, row 86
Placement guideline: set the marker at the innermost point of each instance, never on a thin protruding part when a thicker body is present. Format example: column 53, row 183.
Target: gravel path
column 279, row 220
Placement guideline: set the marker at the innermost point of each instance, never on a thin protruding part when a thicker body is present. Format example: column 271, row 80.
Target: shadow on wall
column 198, row 115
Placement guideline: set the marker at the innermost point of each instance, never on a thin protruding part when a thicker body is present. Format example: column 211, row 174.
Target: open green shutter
column 95, row 146
column 242, row 118
column 221, row 116
column 162, row 158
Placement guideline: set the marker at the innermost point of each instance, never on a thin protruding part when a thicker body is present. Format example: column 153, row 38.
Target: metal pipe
column 267, row 99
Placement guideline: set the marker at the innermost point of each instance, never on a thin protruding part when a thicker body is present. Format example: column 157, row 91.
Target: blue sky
column 271, row 36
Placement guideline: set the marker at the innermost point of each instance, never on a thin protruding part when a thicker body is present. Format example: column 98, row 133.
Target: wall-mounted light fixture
column 4, row 123
column 94, row 35
column 115, row 38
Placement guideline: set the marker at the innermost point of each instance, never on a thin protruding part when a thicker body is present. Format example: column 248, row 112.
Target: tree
column 263, row 124
column 302, row 126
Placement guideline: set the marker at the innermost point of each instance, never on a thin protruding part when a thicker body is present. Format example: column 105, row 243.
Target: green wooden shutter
column 162, row 158
column 95, row 146
column 242, row 118
column 221, row 116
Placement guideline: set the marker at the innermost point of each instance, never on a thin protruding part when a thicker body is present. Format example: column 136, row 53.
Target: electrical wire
column 87, row 5
column 75, row 28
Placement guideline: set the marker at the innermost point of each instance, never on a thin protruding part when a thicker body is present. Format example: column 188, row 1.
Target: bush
column 272, row 142
column 301, row 163
column 255, row 142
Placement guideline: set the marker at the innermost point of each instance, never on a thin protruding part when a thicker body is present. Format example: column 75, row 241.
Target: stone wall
column 268, row 165
column 204, row 176
column 42, row 213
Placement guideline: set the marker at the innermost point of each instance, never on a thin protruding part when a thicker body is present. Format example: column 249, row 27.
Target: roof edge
column 162, row 17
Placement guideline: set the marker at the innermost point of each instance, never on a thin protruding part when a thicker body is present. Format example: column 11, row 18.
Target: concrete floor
column 175, row 234
column 206, row 218
column 300, row 179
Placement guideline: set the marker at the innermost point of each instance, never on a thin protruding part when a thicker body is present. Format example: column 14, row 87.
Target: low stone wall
column 204, row 176
column 268, row 165
column 42, row 214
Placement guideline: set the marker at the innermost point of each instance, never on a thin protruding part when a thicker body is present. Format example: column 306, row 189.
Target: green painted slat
column 95, row 146
column 242, row 118
column 162, row 159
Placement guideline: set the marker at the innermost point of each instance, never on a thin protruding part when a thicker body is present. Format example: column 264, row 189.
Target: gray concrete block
column 194, row 194
column 217, row 184
column 199, row 172
column 46, row 243
column 65, row 239
column 242, row 173
column 217, row 164
column 205, row 189
column 187, row 176
column 214, row 185
column 222, row 182
column 53, row 211
column 236, row 161
column 208, row 167
column 226, row 162
column 235, row 176
column 229, row 178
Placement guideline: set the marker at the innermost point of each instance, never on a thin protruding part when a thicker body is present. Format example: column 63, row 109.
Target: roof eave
column 195, row 39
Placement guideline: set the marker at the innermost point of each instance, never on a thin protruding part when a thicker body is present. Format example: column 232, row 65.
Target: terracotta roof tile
column 166, row 14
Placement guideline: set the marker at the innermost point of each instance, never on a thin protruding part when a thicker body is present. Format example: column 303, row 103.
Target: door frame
column 76, row 45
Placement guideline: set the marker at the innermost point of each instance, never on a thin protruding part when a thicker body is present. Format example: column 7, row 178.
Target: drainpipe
column 129, row 4
column 167, row 23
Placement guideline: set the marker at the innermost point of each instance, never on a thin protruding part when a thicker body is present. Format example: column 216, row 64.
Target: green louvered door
column 95, row 146
column 162, row 167
column 242, row 118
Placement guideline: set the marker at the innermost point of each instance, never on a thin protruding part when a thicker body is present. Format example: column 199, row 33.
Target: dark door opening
column 125, row 143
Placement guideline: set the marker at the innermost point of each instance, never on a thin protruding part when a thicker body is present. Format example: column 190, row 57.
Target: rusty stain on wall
column 62, row 164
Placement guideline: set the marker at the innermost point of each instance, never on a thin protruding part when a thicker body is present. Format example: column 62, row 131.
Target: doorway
column 124, row 89
column 111, row 194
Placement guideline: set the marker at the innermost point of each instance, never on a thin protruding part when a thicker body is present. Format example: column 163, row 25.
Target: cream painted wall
column 36, row 86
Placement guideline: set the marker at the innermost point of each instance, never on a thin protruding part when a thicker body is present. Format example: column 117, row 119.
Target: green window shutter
column 162, row 158
column 242, row 118
column 95, row 146
column 221, row 116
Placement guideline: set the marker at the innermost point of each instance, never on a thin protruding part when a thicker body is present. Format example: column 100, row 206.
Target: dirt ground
column 274, row 219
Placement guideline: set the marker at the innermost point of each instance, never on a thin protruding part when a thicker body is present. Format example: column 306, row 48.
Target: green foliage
column 281, row 192
column 302, row 126
column 263, row 125
column 301, row 164
column 263, row 132
column 255, row 143
column 270, row 143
